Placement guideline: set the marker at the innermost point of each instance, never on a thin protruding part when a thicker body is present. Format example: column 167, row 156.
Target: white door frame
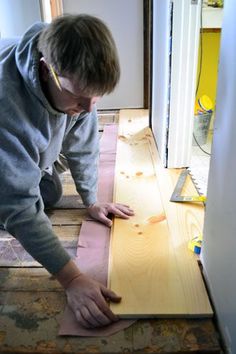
column 185, row 43
column 173, row 132
column 161, row 29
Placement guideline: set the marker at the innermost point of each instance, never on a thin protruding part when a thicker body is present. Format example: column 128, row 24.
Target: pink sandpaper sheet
column 93, row 246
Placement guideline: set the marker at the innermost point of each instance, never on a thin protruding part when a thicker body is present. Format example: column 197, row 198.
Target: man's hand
column 88, row 300
column 86, row 297
column 100, row 211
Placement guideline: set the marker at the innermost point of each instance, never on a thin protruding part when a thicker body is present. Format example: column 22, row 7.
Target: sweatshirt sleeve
column 81, row 149
column 21, row 205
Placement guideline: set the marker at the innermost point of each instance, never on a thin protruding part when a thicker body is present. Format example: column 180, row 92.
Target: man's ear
column 44, row 70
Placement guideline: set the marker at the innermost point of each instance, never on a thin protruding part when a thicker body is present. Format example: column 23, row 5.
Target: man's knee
column 51, row 187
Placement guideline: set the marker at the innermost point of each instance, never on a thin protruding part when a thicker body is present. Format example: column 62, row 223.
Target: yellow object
column 216, row 3
column 210, row 59
column 205, row 103
column 195, row 244
column 55, row 77
column 198, row 198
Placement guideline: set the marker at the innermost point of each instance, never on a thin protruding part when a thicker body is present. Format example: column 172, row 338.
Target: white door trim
column 185, row 42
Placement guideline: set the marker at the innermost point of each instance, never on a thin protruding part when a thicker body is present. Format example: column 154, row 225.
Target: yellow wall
column 210, row 58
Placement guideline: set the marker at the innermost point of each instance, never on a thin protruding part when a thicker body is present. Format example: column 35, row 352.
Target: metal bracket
column 176, row 195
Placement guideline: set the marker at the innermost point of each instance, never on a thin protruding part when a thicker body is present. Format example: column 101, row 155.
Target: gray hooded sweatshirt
column 32, row 134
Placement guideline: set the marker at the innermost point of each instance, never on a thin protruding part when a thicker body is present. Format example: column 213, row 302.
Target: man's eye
column 75, row 97
column 71, row 94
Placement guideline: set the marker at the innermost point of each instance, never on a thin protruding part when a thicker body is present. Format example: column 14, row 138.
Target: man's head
column 80, row 51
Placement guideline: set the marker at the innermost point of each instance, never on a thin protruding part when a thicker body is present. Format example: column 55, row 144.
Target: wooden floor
column 31, row 305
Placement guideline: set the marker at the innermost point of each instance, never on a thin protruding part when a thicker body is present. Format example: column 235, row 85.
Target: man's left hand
column 100, row 211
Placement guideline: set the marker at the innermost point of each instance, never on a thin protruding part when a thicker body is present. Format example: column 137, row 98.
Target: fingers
column 104, row 219
column 96, row 313
column 124, row 205
column 110, row 295
column 83, row 319
column 120, row 210
column 87, row 298
column 101, row 318
column 100, row 211
column 103, row 306
column 91, row 317
column 117, row 210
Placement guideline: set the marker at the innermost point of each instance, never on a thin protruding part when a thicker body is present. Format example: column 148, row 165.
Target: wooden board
column 62, row 217
column 150, row 264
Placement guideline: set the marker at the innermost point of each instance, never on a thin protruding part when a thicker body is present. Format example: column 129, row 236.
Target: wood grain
column 150, row 264
column 67, row 217
column 12, row 253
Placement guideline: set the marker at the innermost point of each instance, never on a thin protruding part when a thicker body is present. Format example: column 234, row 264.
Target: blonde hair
column 82, row 47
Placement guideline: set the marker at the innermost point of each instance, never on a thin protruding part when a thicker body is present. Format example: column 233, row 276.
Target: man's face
column 64, row 95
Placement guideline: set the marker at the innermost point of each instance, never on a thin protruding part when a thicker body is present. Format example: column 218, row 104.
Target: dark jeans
column 51, row 188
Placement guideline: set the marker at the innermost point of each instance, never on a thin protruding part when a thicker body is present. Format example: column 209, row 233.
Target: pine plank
column 150, row 265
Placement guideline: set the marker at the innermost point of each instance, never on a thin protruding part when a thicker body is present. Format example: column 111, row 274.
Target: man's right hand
column 88, row 300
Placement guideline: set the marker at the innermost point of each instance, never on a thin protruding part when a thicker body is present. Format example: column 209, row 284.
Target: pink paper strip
column 106, row 178
column 70, row 327
column 93, row 246
column 108, row 140
column 93, row 250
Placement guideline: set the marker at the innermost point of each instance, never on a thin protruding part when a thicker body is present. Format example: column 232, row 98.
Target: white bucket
column 201, row 128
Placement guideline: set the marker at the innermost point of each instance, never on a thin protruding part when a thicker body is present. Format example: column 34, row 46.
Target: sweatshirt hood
column 27, row 61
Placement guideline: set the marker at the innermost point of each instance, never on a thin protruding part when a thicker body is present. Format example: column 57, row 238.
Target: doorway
column 206, row 87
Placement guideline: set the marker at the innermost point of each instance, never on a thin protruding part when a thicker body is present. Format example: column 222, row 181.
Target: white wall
column 219, row 248
column 17, row 15
column 125, row 20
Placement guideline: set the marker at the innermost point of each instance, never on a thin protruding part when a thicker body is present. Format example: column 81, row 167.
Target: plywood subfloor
column 150, row 264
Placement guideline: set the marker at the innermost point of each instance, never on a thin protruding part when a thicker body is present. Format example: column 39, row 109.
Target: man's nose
column 88, row 103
